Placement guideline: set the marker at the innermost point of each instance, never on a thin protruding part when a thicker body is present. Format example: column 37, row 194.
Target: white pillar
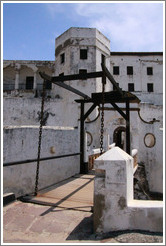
column 17, row 79
column 35, row 81
column 106, row 140
column 85, row 147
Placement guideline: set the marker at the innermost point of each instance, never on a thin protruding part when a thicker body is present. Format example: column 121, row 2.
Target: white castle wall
column 21, row 143
column 22, row 108
column 114, row 206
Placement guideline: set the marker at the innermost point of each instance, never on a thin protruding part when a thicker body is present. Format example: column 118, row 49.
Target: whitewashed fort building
column 80, row 50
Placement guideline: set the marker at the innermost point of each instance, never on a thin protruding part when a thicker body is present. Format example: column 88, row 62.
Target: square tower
column 81, row 50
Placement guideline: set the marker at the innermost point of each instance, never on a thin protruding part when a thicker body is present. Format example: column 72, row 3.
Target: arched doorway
column 119, row 137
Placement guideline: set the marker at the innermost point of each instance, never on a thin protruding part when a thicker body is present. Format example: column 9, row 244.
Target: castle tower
column 80, row 50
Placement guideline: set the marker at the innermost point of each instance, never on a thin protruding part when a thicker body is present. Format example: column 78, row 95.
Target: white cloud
column 54, row 8
column 130, row 26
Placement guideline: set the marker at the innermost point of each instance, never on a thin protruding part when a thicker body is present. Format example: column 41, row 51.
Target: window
column 150, row 87
column 102, row 58
column 82, row 71
column 62, row 57
column 114, row 88
column 48, row 85
column 61, row 74
column 130, row 86
column 149, row 71
column 83, row 54
column 116, row 70
column 129, row 70
column 29, row 83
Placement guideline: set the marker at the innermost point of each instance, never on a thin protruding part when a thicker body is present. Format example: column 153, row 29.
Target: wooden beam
column 119, row 110
column 110, row 77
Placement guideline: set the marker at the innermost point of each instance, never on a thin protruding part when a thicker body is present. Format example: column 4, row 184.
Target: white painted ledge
column 145, row 204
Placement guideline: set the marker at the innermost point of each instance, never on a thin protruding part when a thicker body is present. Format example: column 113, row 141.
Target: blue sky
column 30, row 29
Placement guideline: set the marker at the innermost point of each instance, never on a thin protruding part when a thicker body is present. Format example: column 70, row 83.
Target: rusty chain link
column 102, row 118
column 40, row 137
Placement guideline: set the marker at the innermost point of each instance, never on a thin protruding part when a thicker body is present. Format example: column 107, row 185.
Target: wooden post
column 82, row 140
column 128, row 127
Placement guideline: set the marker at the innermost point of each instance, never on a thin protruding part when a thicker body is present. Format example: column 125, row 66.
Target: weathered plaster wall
column 21, row 143
column 114, row 206
column 23, row 108
column 152, row 157
column 26, row 111
column 58, row 112
column 140, row 77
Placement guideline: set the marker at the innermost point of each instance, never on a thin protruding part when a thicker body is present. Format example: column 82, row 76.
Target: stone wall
column 140, row 79
column 152, row 157
column 114, row 206
column 21, row 143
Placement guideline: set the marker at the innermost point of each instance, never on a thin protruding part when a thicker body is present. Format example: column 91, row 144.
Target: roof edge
column 118, row 53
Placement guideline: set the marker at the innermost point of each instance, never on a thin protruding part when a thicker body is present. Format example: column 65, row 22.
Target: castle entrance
column 119, row 136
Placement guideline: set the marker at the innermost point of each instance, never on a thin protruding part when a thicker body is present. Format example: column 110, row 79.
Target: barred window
column 150, row 87
column 116, row 70
column 83, row 54
column 130, row 86
column 29, row 82
column 129, row 70
column 149, row 71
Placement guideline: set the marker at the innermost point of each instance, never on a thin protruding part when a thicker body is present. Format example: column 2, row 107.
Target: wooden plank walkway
column 74, row 193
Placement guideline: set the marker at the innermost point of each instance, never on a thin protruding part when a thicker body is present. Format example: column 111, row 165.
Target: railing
column 8, row 87
column 92, row 159
column 22, row 86
column 95, row 153
column 41, row 159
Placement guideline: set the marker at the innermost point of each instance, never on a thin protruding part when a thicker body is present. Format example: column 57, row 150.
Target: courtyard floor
column 65, row 217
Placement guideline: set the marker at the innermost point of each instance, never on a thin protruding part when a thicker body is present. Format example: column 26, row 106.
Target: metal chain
column 40, row 137
column 102, row 119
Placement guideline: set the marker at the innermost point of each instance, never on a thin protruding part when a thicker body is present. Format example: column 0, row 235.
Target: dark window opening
column 61, row 74
column 29, row 83
column 130, row 87
column 62, row 57
column 119, row 137
column 129, row 70
column 150, row 87
column 149, row 71
column 116, row 70
column 83, row 71
column 83, row 54
column 102, row 58
column 114, row 88
column 48, row 85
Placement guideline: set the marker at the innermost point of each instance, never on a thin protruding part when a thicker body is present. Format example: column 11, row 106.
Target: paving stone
column 45, row 225
column 21, row 222
column 30, row 223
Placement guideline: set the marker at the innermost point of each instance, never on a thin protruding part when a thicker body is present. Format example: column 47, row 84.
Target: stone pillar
column 53, row 74
column 35, row 81
column 112, row 190
column 17, row 79
column 114, row 206
column 17, row 76
column 85, row 147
